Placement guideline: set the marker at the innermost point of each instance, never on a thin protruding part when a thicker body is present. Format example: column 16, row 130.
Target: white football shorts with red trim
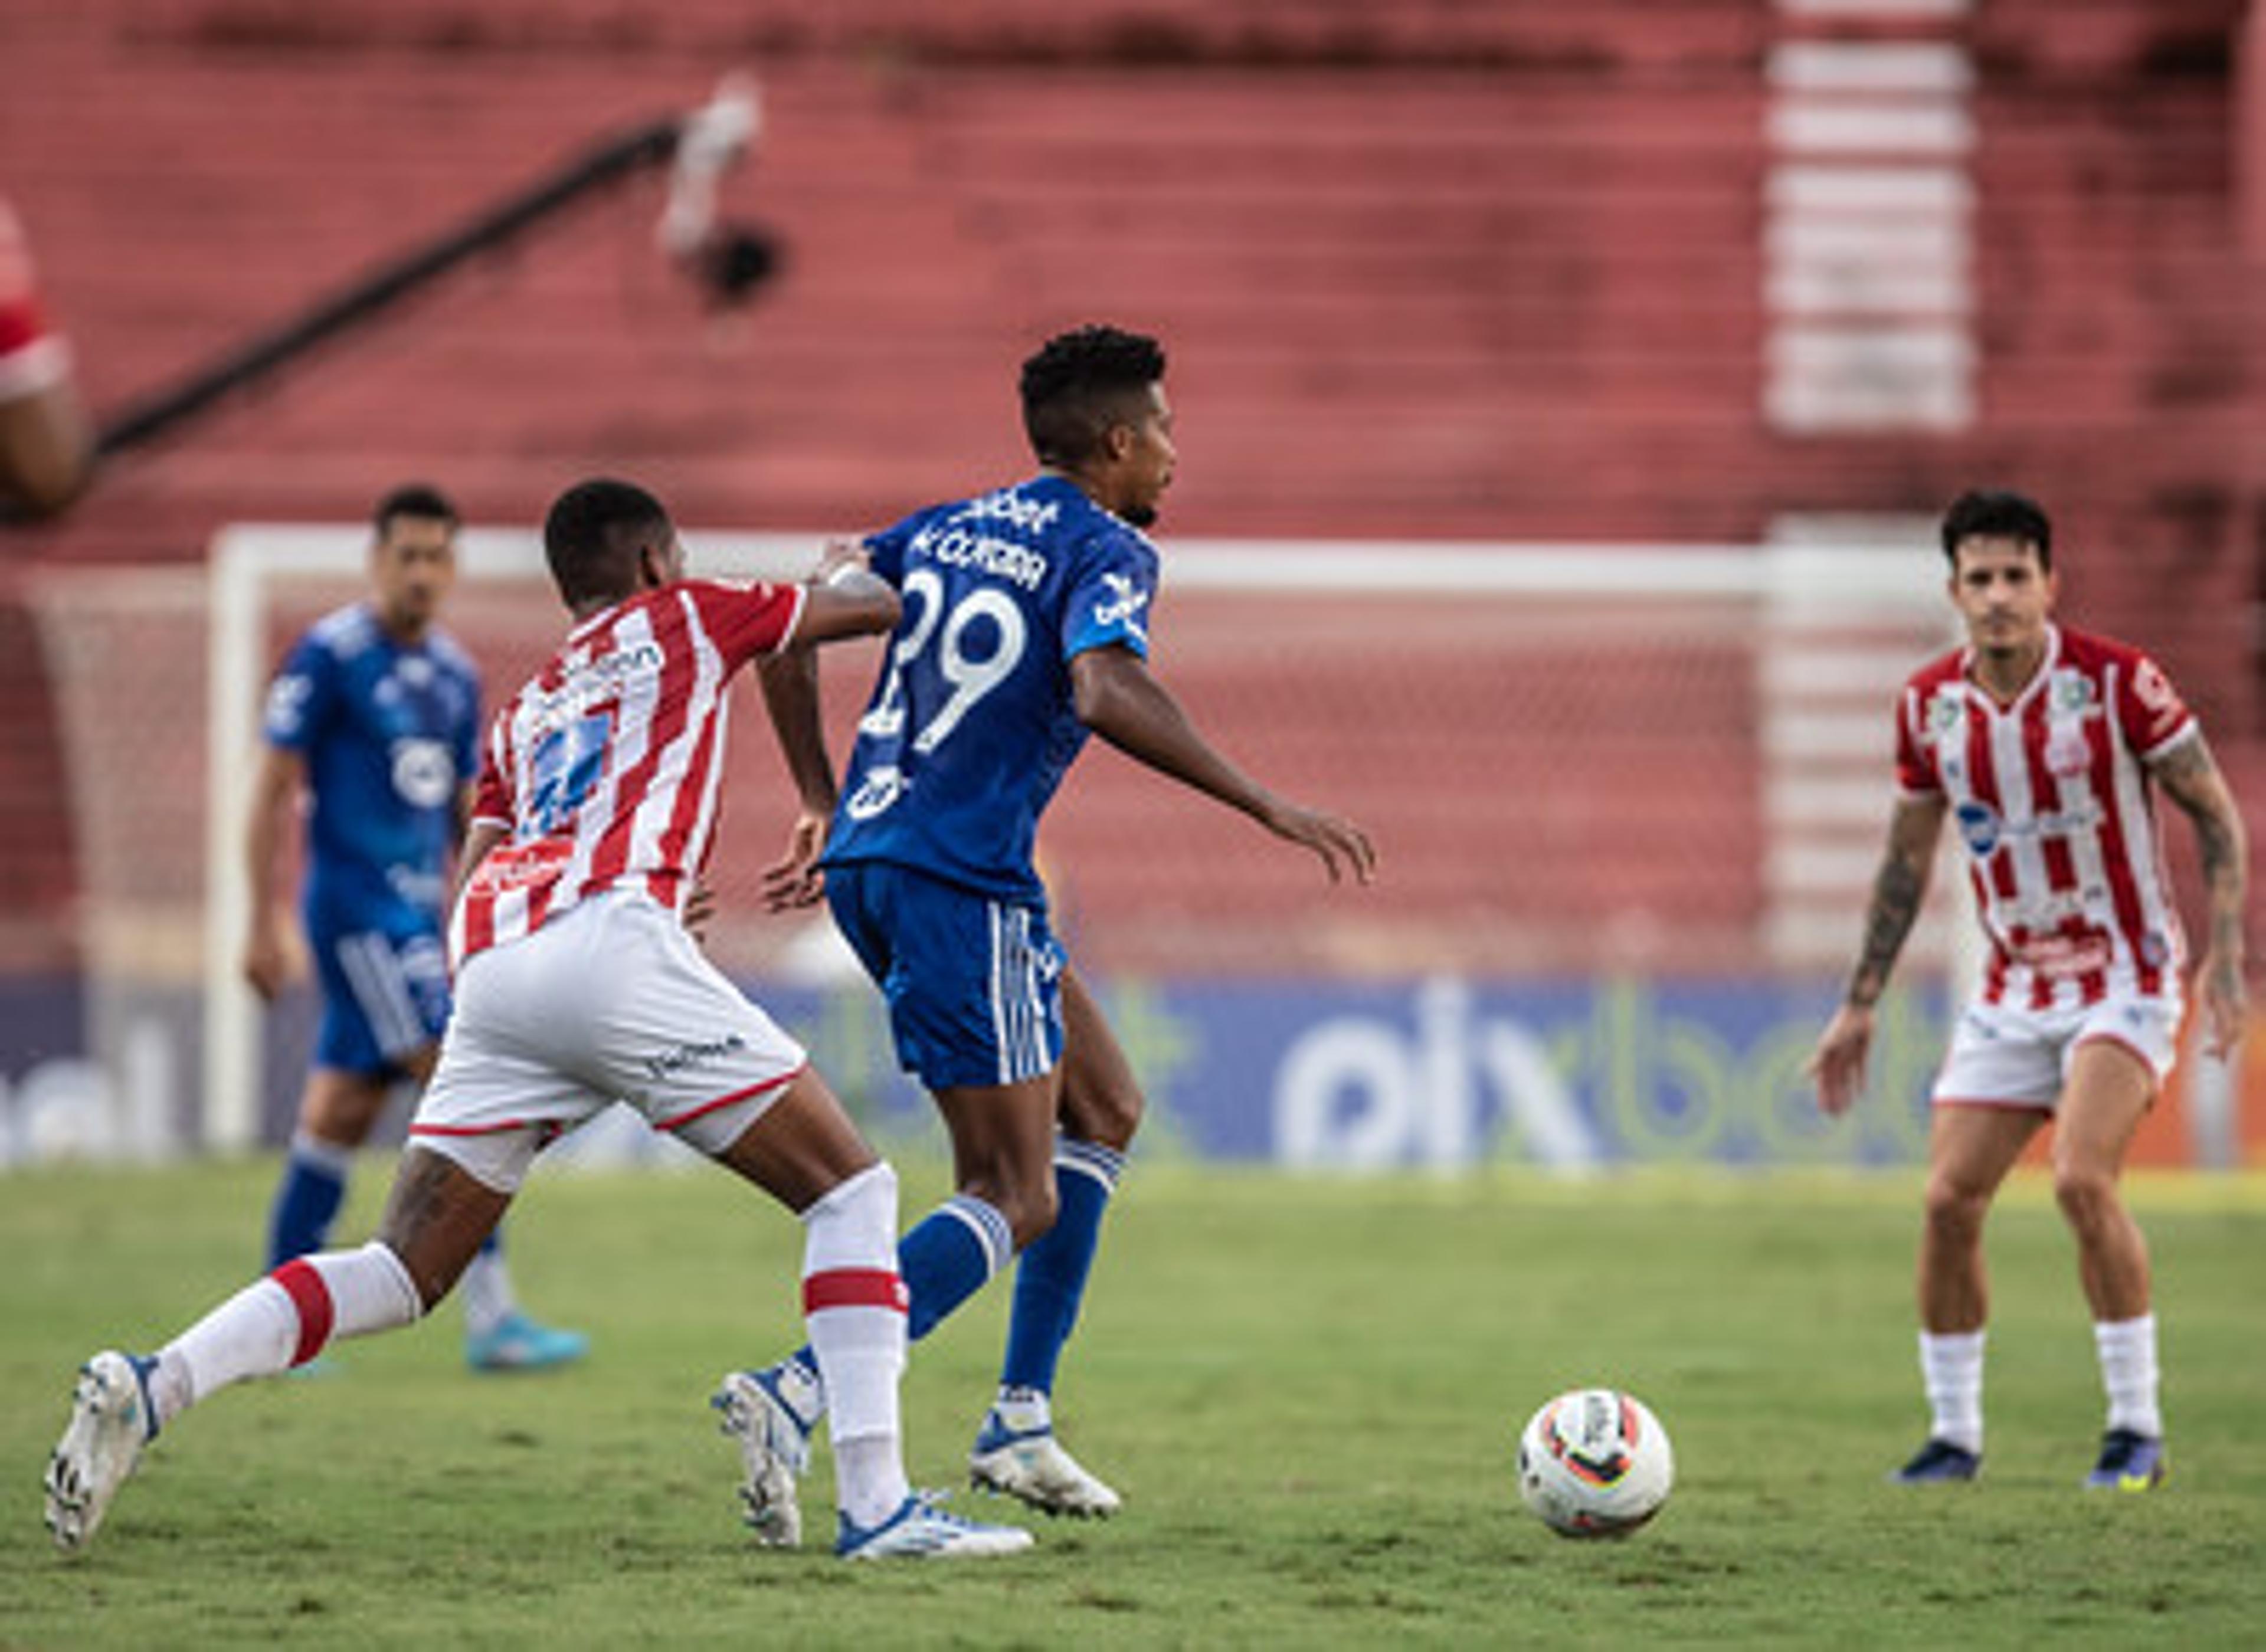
column 2003, row 1055
column 610, row 1001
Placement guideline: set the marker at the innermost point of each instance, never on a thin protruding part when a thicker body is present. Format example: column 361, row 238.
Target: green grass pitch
column 1308, row 1390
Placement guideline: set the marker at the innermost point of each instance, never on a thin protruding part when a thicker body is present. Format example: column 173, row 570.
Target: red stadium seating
column 1434, row 269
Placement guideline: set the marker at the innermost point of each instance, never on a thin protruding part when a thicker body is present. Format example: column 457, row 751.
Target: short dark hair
column 1997, row 514
column 591, row 535
column 1078, row 385
column 413, row 499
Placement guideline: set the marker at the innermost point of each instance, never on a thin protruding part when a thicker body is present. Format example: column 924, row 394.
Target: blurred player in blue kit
column 373, row 727
column 1025, row 627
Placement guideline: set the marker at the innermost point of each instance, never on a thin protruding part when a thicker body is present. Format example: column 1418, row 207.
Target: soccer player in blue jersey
column 373, row 726
column 1025, row 628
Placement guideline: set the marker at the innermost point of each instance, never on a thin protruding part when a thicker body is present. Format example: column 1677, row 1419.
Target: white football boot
column 922, row 1531
column 111, row 1420
column 1030, row 1464
column 774, row 1452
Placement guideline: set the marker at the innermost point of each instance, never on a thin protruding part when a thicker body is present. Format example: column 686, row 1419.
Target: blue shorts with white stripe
column 386, row 996
column 974, row 982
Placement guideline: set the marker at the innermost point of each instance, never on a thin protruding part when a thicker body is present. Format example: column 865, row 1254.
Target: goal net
column 1577, row 761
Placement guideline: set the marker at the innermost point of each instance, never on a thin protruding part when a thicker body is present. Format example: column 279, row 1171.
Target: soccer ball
column 1595, row 1463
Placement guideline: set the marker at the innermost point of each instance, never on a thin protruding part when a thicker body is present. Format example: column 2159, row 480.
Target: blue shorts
column 973, row 983
column 386, row 996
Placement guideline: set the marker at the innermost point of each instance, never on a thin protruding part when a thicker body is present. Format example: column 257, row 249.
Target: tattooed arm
column 2190, row 778
column 1838, row 1064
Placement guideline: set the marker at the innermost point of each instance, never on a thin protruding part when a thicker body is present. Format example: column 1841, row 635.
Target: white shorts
column 610, row 1001
column 2019, row 1057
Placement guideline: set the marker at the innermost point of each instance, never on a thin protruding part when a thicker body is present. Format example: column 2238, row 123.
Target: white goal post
column 1837, row 618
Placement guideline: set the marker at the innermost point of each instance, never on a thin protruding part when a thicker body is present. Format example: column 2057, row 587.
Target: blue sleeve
column 1114, row 580
column 464, row 746
column 300, row 698
column 888, row 548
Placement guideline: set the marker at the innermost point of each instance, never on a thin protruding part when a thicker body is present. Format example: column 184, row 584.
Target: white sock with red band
column 854, row 1304
column 283, row 1320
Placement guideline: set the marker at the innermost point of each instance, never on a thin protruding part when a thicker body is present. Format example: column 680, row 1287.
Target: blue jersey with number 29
column 972, row 725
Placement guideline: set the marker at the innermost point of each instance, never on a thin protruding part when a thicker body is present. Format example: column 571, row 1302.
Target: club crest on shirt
column 2070, row 691
column 424, row 773
column 1945, row 712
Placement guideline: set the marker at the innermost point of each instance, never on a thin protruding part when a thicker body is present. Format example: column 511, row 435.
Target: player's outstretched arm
column 2190, row 778
column 845, row 597
column 1837, row 1066
column 1119, row 699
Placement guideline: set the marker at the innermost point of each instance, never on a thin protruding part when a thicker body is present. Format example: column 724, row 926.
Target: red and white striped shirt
column 2052, row 796
column 605, row 767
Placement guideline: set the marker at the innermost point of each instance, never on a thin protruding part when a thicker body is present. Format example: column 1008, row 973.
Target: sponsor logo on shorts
column 668, row 1062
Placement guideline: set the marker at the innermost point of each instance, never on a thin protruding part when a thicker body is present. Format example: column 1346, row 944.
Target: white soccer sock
column 1951, row 1367
column 283, row 1320
column 1024, row 1410
column 854, row 1304
column 334, row 1157
column 486, row 1288
column 2128, row 1372
column 869, row 1478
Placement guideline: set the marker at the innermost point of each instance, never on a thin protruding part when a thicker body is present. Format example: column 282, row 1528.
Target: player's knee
column 341, row 1114
column 1030, row 1211
column 1953, row 1208
column 1109, row 1114
column 2086, row 1194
